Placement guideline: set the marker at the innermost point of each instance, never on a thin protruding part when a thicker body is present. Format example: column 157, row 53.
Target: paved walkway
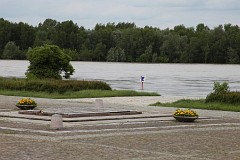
column 150, row 135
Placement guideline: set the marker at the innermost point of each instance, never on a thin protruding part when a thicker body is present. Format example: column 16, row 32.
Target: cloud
column 157, row 13
column 223, row 4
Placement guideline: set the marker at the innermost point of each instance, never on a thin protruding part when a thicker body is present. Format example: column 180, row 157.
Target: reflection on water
column 168, row 79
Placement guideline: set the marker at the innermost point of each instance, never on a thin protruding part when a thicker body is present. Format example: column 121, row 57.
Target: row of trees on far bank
column 124, row 42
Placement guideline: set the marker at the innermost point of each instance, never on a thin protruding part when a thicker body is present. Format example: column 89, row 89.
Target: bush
column 228, row 97
column 222, row 94
column 48, row 61
column 221, row 88
column 51, row 85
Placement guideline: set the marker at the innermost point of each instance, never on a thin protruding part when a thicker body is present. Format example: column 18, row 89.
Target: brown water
column 167, row 79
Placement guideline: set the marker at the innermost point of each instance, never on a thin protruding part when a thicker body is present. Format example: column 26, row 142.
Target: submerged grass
column 200, row 104
column 78, row 94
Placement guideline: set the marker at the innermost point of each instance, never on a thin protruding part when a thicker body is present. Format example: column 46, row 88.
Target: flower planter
column 26, row 104
column 185, row 119
column 26, row 107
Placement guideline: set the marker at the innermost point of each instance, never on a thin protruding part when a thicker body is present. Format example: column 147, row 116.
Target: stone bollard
column 98, row 103
column 56, row 121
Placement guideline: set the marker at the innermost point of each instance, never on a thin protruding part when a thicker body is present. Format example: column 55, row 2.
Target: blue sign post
column 142, row 79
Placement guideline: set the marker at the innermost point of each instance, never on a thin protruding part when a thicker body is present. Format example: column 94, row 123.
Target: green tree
column 173, row 46
column 201, row 48
column 128, row 41
column 218, row 49
column 116, row 54
column 99, row 52
column 155, row 58
column 5, row 33
column 11, row 51
column 147, row 55
column 66, row 35
column 201, row 27
column 48, row 61
column 86, row 54
column 41, row 38
column 233, row 57
column 72, row 53
column 26, row 36
column 45, row 32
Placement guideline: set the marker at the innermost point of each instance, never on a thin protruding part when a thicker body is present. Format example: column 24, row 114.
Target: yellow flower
column 186, row 112
column 26, row 101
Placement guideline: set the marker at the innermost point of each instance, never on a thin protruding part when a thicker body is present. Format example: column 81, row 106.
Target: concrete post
column 99, row 104
column 56, row 121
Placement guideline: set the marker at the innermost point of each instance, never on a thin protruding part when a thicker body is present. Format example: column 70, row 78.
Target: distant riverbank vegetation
column 124, row 42
column 46, row 88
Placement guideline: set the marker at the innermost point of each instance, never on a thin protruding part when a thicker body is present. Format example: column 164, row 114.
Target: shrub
column 221, row 88
column 222, row 94
column 229, row 97
column 48, row 61
column 51, row 85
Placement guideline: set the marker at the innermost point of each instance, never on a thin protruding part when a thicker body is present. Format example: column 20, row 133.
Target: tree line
column 124, row 42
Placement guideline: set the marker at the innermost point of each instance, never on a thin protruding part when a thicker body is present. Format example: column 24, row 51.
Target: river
column 195, row 80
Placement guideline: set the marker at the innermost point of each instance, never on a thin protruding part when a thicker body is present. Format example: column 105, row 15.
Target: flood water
column 195, row 80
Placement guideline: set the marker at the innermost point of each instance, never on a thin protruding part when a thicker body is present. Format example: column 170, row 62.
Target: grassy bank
column 50, row 85
column 78, row 94
column 200, row 104
column 50, row 88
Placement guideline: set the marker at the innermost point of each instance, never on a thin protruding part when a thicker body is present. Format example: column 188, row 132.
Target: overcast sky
column 156, row 13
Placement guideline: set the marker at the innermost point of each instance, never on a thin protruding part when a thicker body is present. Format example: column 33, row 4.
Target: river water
column 195, row 80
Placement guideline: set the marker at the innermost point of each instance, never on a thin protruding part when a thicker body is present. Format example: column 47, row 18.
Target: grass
column 78, row 94
column 200, row 104
column 51, row 85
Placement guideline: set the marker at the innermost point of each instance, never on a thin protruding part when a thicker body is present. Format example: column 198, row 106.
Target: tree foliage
column 148, row 44
column 11, row 51
column 48, row 61
column 116, row 54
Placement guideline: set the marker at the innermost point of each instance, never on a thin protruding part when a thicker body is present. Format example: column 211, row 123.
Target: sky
column 156, row 13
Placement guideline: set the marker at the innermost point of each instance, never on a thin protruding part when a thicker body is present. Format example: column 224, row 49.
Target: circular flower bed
column 26, row 104
column 186, row 115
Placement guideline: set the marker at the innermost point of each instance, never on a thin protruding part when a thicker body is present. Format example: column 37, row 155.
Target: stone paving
column 155, row 139
column 149, row 136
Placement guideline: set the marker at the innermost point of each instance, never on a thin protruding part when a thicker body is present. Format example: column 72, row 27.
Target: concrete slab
column 77, row 114
column 15, row 114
